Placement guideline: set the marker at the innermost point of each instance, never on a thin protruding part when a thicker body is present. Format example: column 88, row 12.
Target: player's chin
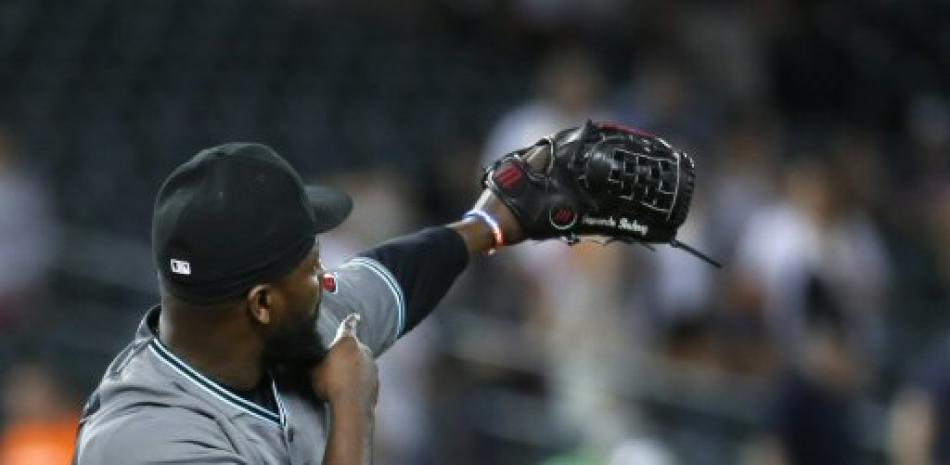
column 296, row 344
column 300, row 355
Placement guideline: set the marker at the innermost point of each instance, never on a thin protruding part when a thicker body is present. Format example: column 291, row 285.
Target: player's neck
column 220, row 350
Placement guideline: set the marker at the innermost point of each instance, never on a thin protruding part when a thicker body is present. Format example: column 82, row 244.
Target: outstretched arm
column 418, row 269
column 425, row 264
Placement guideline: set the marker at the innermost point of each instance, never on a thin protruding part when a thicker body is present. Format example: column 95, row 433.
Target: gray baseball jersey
column 152, row 408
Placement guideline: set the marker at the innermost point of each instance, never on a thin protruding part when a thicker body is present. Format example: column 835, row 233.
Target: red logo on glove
column 510, row 178
column 563, row 217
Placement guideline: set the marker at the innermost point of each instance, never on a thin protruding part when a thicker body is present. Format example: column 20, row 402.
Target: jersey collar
column 211, row 387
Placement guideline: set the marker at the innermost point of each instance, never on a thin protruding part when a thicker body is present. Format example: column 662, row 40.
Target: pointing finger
column 347, row 327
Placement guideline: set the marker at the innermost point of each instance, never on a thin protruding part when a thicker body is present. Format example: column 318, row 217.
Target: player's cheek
column 315, row 286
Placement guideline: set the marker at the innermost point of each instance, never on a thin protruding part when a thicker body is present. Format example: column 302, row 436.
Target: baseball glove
column 597, row 180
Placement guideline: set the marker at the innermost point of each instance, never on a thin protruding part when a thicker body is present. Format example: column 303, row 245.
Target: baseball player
column 257, row 355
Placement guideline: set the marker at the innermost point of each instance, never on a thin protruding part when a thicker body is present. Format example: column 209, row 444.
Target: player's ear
column 260, row 303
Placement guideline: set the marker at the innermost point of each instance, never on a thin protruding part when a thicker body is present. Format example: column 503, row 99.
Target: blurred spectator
column 569, row 89
column 662, row 97
column 383, row 208
column 920, row 418
column 813, row 419
column 722, row 40
column 939, row 231
column 452, row 182
column 641, row 451
column 555, row 14
column 26, row 235
column 404, row 431
column 856, row 155
column 578, row 312
column 558, row 16
column 634, row 451
column 41, row 420
column 743, row 177
column 813, row 230
column 682, row 286
column 674, row 287
column 928, row 118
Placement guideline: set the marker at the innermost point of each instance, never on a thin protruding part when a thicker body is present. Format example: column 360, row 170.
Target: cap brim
column 330, row 206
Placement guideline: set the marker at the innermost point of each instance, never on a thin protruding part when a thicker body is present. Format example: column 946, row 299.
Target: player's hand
column 538, row 158
column 347, row 375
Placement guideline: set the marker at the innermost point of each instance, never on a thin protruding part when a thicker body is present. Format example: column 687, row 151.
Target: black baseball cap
column 236, row 215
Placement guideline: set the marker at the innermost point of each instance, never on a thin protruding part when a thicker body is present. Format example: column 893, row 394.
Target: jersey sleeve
column 366, row 287
column 154, row 440
column 393, row 286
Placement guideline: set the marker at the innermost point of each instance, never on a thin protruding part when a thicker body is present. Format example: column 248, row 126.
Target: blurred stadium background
column 821, row 131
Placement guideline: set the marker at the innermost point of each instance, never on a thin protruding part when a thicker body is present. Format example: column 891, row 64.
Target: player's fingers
column 347, row 327
column 367, row 352
column 538, row 157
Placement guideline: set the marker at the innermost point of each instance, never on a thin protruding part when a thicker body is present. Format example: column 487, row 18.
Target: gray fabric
column 366, row 287
column 154, row 409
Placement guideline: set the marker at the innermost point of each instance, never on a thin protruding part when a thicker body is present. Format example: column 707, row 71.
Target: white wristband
column 495, row 229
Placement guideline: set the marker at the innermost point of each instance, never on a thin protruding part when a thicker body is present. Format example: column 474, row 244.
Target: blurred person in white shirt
column 27, row 235
column 578, row 289
column 813, row 230
column 569, row 90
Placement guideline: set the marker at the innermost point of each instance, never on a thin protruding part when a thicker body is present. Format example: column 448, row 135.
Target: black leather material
column 600, row 180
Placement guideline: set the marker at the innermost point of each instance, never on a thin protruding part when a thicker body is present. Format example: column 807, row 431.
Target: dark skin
column 228, row 342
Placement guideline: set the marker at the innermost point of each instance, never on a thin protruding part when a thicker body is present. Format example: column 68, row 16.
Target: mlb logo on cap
column 180, row 267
